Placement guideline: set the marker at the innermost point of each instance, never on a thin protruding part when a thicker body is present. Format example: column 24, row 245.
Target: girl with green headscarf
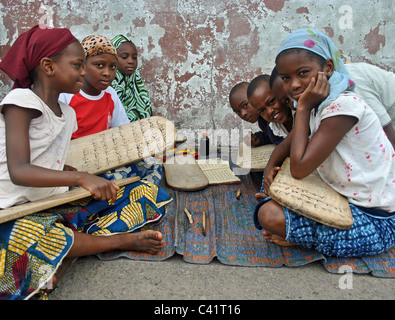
column 128, row 83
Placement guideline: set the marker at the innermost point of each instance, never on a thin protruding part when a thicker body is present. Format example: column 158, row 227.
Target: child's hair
column 55, row 58
column 237, row 87
column 273, row 77
column 256, row 82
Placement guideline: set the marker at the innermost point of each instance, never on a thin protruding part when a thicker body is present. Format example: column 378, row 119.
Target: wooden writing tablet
column 115, row 147
column 183, row 173
column 311, row 197
column 254, row 158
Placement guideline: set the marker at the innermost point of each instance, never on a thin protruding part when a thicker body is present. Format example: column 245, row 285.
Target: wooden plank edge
column 27, row 208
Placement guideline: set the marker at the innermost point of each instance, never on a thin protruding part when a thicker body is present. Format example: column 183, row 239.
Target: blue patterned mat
column 232, row 237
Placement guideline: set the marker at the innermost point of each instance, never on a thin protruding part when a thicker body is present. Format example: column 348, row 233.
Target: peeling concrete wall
column 191, row 52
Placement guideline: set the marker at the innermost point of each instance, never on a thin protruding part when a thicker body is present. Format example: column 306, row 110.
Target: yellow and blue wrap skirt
column 33, row 247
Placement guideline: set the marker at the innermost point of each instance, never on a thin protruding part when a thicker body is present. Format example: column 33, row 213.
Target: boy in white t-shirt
column 376, row 86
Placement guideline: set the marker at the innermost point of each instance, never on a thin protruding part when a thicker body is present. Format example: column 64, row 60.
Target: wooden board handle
column 27, row 208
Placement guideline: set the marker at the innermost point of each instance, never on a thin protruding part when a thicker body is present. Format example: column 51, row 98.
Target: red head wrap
column 28, row 50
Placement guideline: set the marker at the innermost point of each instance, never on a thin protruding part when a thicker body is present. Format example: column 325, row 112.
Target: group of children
column 375, row 85
column 333, row 118
column 65, row 89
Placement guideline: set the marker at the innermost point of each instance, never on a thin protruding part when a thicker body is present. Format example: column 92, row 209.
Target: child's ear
column 329, row 68
column 47, row 66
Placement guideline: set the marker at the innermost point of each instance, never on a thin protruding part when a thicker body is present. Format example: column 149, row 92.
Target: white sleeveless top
column 49, row 142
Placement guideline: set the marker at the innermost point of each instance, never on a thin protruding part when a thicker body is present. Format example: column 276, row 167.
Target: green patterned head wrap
column 131, row 90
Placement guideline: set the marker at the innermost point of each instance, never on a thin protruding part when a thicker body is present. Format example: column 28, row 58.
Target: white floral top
column 362, row 167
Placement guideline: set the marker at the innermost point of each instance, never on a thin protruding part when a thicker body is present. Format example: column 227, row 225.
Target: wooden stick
column 24, row 209
column 188, row 215
column 204, row 223
column 238, row 195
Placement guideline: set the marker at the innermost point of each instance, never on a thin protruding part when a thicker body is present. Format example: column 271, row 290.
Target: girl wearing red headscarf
column 35, row 131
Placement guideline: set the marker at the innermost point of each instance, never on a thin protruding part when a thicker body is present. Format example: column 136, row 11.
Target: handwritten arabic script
column 121, row 145
column 255, row 158
column 311, row 197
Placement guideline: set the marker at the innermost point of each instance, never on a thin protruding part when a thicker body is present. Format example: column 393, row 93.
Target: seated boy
column 276, row 112
column 99, row 108
column 271, row 110
column 97, row 105
column 240, row 105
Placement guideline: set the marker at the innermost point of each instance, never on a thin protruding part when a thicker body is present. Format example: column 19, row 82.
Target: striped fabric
column 33, row 247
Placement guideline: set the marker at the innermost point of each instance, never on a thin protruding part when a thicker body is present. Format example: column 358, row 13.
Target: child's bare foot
column 145, row 241
column 53, row 282
column 260, row 196
column 277, row 240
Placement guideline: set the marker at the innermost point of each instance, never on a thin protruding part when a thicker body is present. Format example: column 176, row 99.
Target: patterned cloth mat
column 232, row 237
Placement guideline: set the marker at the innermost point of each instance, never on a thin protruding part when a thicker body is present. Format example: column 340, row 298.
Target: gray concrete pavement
column 123, row 279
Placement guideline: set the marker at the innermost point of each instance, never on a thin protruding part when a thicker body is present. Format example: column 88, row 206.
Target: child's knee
column 271, row 216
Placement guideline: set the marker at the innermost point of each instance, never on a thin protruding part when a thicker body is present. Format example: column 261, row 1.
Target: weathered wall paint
column 193, row 51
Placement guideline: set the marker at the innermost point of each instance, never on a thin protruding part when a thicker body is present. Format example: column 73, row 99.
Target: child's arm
column 252, row 140
column 22, row 172
column 279, row 154
column 307, row 155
